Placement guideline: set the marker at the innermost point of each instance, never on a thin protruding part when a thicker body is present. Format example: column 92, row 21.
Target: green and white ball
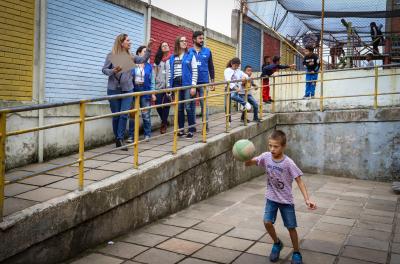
column 243, row 150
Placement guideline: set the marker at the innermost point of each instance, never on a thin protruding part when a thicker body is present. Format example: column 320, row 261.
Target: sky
column 219, row 12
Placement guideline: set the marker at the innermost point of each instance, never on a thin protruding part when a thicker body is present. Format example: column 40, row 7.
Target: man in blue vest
column 205, row 68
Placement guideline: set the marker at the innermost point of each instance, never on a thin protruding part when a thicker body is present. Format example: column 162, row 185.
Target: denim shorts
column 287, row 212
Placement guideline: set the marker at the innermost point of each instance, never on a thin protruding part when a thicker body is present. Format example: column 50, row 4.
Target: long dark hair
column 140, row 49
column 233, row 61
column 177, row 47
column 159, row 54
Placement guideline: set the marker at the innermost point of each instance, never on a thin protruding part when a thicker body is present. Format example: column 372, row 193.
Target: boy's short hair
column 275, row 59
column 278, row 135
column 310, row 49
column 247, row 66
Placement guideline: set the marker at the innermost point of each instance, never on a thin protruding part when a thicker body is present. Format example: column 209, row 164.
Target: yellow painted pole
column 227, row 106
column 82, row 114
column 136, row 133
column 376, row 88
column 246, row 94
column 261, row 106
column 3, row 131
column 176, row 128
column 204, row 115
column 321, row 58
column 273, row 94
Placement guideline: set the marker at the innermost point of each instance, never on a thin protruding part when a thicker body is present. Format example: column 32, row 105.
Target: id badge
column 164, row 72
column 199, row 63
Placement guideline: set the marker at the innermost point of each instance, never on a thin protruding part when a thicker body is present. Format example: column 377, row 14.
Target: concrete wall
column 131, row 199
column 364, row 84
column 363, row 144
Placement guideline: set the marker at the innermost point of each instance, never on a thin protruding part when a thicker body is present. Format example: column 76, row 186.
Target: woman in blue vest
column 120, row 83
column 183, row 67
column 142, row 81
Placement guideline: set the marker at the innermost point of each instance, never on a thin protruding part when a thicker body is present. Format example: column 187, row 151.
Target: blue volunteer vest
column 202, row 59
column 186, row 69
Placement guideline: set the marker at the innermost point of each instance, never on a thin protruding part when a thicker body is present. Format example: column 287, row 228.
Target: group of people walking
column 181, row 67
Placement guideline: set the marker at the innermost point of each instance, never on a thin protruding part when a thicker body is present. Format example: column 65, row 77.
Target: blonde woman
column 120, row 83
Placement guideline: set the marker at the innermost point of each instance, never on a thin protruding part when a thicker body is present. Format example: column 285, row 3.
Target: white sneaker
column 129, row 140
column 248, row 106
column 147, row 138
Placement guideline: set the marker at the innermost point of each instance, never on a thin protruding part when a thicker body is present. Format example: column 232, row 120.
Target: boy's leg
column 271, row 209
column 289, row 220
column 314, row 78
column 295, row 239
column 269, row 226
column 308, row 83
column 254, row 103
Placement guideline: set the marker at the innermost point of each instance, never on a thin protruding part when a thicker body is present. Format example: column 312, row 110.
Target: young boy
column 248, row 72
column 281, row 171
column 268, row 70
column 370, row 62
column 311, row 63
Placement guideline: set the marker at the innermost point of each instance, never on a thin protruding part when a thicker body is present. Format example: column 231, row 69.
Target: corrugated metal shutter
column 251, row 47
column 287, row 54
column 79, row 36
column 16, row 49
column 221, row 53
column 163, row 31
column 299, row 62
column 272, row 46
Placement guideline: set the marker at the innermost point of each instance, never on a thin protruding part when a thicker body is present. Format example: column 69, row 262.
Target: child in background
column 281, row 171
column 248, row 72
column 369, row 58
column 311, row 63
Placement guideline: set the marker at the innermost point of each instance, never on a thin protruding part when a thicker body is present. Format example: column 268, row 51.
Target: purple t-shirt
column 280, row 176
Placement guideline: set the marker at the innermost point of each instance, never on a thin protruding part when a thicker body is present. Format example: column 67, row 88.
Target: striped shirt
column 280, row 176
column 178, row 68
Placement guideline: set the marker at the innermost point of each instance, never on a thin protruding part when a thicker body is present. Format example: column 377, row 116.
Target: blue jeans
column 200, row 91
column 287, row 212
column 184, row 95
column 163, row 112
column 119, row 105
column 235, row 96
column 310, row 85
column 145, row 101
column 240, row 98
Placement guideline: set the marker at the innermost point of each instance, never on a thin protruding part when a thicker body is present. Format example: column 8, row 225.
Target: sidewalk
column 357, row 222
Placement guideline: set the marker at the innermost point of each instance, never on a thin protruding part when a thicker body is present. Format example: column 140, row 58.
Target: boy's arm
column 303, row 189
column 251, row 162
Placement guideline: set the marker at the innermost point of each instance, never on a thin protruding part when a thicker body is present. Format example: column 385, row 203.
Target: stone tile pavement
column 57, row 182
column 357, row 222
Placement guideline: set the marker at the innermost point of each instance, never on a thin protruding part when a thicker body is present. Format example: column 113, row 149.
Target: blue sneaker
column 276, row 250
column 297, row 258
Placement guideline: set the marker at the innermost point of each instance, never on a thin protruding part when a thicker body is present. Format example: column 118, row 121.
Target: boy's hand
column 250, row 162
column 311, row 205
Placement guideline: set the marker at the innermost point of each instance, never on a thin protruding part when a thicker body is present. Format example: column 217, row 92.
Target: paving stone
column 69, row 184
column 198, row 236
column 164, row 230
column 154, row 153
column 250, row 234
column 180, row 221
column 38, row 167
column 195, row 261
column 310, row 257
column 116, row 166
column 110, row 157
column 341, row 229
column 98, row 259
column 396, row 238
column 365, row 254
column 158, row 256
column 367, row 242
column 264, row 249
column 378, row 219
column 63, row 160
column 180, row 246
column 65, row 172
column 122, row 250
column 337, row 220
column 144, row 239
column 213, row 227
column 343, row 213
column 378, row 213
column 376, row 234
column 251, row 258
column 98, row 175
column 41, row 180
column 42, row 194
column 344, row 260
column 232, row 243
column 321, row 246
column 394, row 259
column 131, row 262
column 17, row 188
column 12, row 175
column 396, row 248
column 12, row 205
column 142, row 159
column 375, row 226
column 217, row 254
column 92, row 164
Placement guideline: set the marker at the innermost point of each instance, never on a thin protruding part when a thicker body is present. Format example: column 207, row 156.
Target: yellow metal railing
column 82, row 121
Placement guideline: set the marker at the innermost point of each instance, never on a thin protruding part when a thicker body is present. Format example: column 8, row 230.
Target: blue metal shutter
column 80, row 34
column 251, row 47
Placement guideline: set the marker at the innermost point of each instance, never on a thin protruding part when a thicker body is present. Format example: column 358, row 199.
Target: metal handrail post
column 136, row 133
column 376, row 87
column 273, row 94
column 261, row 106
column 227, row 107
column 246, row 99
column 3, row 136
column 204, row 114
column 82, row 114
column 176, row 128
